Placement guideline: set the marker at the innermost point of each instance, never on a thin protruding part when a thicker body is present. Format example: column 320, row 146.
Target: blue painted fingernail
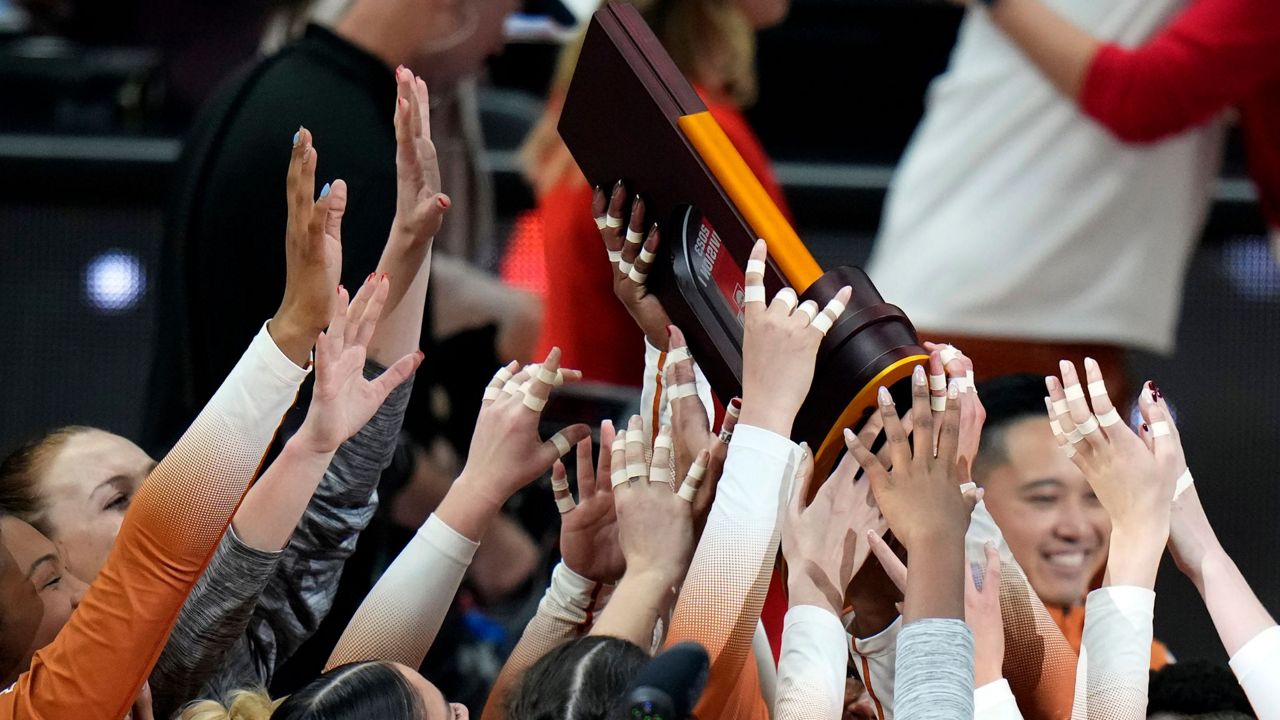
column 296, row 137
column 324, row 190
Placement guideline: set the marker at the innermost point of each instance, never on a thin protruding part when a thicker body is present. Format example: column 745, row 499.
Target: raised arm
column 1213, row 55
column 181, row 511
column 399, row 619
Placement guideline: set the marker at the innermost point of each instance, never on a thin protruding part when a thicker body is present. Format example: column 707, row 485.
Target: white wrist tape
column 1159, row 429
column 612, row 222
column 1097, row 388
column 565, row 503
column 937, row 382
column 937, row 403
column 1089, row 426
column 646, row 256
column 1073, row 392
column 1060, row 407
column 1184, row 481
column 1109, row 418
column 602, row 222
column 755, row 265
column 615, row 256
column 562, row 446
column 683, row 390
column 678, row 355
column 753, row 293
column 634, row 236
column 534, row 403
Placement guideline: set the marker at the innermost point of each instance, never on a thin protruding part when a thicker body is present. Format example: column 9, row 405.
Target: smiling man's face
column 1054, row 524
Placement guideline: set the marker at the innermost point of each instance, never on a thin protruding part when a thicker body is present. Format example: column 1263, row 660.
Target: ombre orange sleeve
column 724, row 591
column 97, row 664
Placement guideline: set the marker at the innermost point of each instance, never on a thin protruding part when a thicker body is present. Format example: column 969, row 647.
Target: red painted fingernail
column 386, row 276
column 736, row 402
column 339, row 289
column 443, row 202
column 1144, row 427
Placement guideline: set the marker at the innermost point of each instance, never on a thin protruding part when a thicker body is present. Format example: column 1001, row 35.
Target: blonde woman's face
column 87, row 487
column 764, row 14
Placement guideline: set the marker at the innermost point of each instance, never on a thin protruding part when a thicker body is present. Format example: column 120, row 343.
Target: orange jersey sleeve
column 99, row 661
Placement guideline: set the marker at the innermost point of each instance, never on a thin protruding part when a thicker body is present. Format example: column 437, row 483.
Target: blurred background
column 97, row 96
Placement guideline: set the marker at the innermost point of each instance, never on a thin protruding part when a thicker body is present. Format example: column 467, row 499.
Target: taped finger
column 561, row 442
column 560, row 489
column 787, row 296
column 810, row 310
column 693, row 481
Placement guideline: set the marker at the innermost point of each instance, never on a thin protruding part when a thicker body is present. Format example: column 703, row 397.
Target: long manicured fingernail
column 848, row 435
column 324, row 191
column 917, row 375
column 885, row 397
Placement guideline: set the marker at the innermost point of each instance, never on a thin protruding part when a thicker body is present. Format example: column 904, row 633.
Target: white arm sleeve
column 811, row 669
column 1115, row 654
column 876, row 657
column 995, row 701
column 399, row 619
column 1257, row 667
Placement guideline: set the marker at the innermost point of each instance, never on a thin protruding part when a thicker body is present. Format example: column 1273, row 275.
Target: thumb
column 433, row 215
column 337, row 206
column 971, row 498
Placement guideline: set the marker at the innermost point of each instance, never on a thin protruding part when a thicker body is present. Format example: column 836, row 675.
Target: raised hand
column 420, row 206
column 655, row 521
column 821, row 542
column 1133, row 477
column 983, row 615
column 343, row 400
column 313, row 254
column 631, row 253
column 946, row 362
column 506, row 451
column 779, row 348
column 589, row 542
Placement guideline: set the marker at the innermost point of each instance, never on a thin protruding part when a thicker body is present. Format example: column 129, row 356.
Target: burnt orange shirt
column 1071, row 622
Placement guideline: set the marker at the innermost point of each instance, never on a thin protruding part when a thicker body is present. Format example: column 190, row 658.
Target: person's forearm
column 274, row 505
column 1134, row 555
column 1062, row 51
column 935, row 585
column 400, row 329
column 1237, row 614
column 469, row 510
column 641, row 598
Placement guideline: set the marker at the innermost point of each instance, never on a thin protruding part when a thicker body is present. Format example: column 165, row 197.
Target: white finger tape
column 635, row 436
column 948, row 353
column 1056, row 427
column 937, row 403
column 1089, row 426
column 695, row 473
column 534, row 403
column 550, row 378
column 634, row 236
column 787, row 297
column 755, row 265
column 492, row 393
column 822, row 323
column 636, row 470
column 937, row 382
column 559, row 484
column 753, row 293
column 834, row 308
column 1184, row 481
column 602, row 222
column 624, row 267
column 511, row 387
column 1097, row 388
column 678, row 355
column 613, row 222
column 1073, row 392
column 618, row 477
column 565, row 504
column 1070, row 450
column 662, row 441
column 615, row 256
column 504, row 374
column 637, row 277
column 1109, row 418
column 733, row 410
column 659, row 474
column 1060, row 407
column 562, row 446
column 646, row 256
column 687, row 492
column 683, row 390
column 969, row 380
column 810, row 309
column 1159, row 429
column 1074, row 435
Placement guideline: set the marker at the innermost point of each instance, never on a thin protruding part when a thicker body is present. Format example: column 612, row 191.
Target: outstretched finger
column 643, row 261
column 586, row 473
column 636, row 464
column 396, row 375
column 562, row 440
column 1086, row 424
column 635, row 234
column 660, row 467
column 889, row 560
column 1103, row 409
column 500, row 379
column 543, row 378
column 604, row 466
column 560, row 488
column 803, row 484
column 753, row 297
column 693, row 481
column 373, row 310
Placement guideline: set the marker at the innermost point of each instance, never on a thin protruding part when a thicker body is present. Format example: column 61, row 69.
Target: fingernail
column 736, row 402
column 1145, row 428
column 668, row 331
column 885, row 397
column 297, row 136
column 871, row 534
column 953, row 388
column 616, row 187
column 636, row 199
column 442, row 202
column 917, row 375
column 339, row 289
column 324, row 191
column 1049, row 380
column 848, row 435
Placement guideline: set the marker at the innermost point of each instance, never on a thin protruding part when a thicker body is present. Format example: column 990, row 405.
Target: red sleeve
column 1209, row 58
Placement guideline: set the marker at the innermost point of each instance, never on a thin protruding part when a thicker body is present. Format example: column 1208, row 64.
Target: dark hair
column 583, row 679
column 20, row 472
column 356, row 691
column 1007, row 400
column 1197, row 688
